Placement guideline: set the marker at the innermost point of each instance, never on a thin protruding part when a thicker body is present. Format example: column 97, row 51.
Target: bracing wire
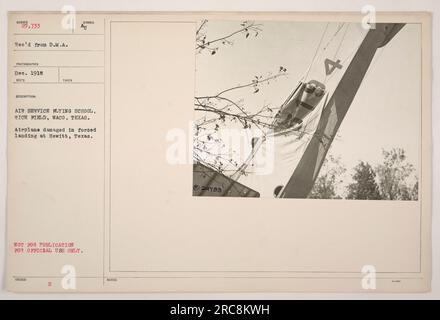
column 342, row 41
column 338, row 48
column 339, row 28
column 347, row 57
column 316, row 51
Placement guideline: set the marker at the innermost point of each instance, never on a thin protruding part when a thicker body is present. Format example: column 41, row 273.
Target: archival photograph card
column 219, row 152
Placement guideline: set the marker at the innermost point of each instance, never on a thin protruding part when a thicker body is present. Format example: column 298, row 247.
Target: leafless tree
column 204, row 43
column 222, row 109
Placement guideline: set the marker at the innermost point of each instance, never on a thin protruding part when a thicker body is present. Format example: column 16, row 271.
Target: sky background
column 386, row 110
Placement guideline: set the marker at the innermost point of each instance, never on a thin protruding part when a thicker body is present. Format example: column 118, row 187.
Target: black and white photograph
column 148, row 150
column 318, row 110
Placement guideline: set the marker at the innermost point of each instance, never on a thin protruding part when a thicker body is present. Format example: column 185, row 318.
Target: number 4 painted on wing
column 331, row 65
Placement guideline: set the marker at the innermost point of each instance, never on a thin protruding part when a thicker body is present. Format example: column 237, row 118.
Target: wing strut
column 301, row 182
